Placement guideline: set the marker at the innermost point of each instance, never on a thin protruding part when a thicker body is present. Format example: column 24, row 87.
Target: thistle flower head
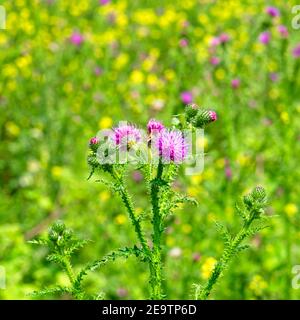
column 259, row 194
column 212, row 115
column 255, row 201
column 154, row 126
column 126, row 135
column 94, row 140
column 94, row 143
column 172, row 146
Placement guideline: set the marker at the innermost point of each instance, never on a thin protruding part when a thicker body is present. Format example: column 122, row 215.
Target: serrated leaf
column 40, row 241
column 49, row 291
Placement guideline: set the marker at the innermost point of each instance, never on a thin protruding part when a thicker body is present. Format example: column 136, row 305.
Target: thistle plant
column 158, row 154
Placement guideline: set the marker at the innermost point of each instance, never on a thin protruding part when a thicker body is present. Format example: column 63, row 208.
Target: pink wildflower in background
column 228, row 171
column 235, row 83
column 214, row 61
column 224, row 37
column 183, row 42
column 104, row 2
column 265, row 37
column 76, row 38
column 283, row 31
column 98, row 71
column 122, row 292
column 296, row 51
column 196, row 256
column 186, row 97
column 273, row 12
column 215, row 41
column 137, row 176
column 172, row 146
column 273, row 76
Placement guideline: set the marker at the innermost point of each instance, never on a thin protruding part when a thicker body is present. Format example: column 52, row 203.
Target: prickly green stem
column 156, row 259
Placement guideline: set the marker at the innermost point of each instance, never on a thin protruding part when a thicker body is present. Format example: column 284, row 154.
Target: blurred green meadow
column 71, row 68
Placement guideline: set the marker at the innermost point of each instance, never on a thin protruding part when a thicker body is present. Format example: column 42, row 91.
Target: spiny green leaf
column 58, row 290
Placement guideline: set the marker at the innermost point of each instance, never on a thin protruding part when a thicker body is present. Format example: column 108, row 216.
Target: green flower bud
column 191, row 111
column 259, row 194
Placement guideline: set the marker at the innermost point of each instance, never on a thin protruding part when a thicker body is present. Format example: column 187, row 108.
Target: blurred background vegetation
column 70, row 68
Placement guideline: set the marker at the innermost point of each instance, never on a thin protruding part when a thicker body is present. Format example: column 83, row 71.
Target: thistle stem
column 223, row 261
column 156, row 259
column 69, row 270
column 132, row 215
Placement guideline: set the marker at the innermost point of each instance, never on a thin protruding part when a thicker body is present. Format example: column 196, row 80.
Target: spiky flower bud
column 94, row 143
column 259, row 194
column 255, row 202
column 204, row 117
column 58, row 227
column 191, row 111
column 53, row 235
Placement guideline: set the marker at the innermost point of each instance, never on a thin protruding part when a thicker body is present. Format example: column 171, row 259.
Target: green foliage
column 254, row 204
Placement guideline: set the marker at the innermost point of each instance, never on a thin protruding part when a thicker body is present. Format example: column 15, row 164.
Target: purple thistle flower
column 235, row 83
column 126, row 135
column 296, row 51
column 265, row 37
column 273, row 12
column 76, row 38
column 171, row 146
column 154, row 126
column 186, row 97
column 283, row 31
